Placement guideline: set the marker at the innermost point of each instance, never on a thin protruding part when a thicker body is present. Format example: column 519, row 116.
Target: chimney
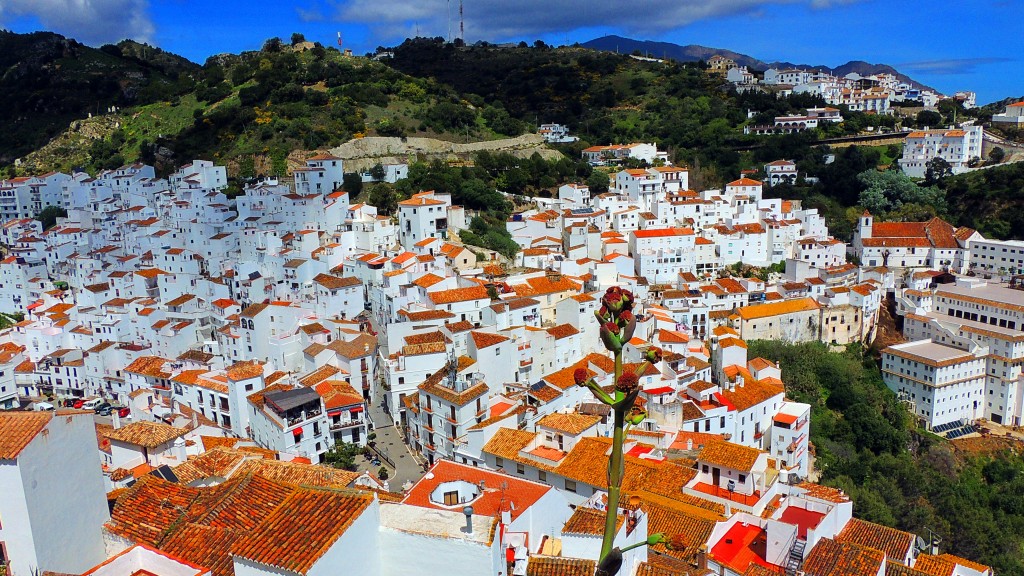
column 689, row 444
column 468, row 511
column 115, row 419
column 179, row 449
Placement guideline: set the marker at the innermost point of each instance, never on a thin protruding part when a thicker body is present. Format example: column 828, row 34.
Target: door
column 716, row 475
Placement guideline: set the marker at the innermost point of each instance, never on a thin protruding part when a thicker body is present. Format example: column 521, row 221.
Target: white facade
column 955, row 146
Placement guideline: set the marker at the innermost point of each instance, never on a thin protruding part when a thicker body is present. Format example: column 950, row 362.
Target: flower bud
column 653, row 355
column 580, row 376
column 675, row 542
column 628, row 382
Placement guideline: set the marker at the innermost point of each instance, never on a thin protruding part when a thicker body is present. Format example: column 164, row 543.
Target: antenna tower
column 462, row 24
column 339, row 39
column 449, row 21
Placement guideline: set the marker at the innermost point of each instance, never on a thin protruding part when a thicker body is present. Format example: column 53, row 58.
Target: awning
column 297, row 431
column 334, row 412
column 356, row 410
column 35, row 305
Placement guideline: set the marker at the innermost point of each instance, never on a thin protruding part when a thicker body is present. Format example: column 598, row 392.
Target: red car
column 124, row 412
column 78, row 404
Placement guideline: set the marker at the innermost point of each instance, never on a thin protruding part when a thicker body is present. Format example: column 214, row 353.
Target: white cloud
column 504, row 19
column 89, row 21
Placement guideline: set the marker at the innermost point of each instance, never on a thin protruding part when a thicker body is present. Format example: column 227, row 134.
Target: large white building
column 1012, row 116
column 942, row 383
column 957, row 146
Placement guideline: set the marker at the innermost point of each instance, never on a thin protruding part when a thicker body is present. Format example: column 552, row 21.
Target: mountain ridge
column 696, row 52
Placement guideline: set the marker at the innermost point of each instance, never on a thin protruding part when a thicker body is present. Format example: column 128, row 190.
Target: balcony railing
column 347, row 424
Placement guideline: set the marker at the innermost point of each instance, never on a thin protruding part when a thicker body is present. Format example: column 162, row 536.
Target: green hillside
column 47, row 81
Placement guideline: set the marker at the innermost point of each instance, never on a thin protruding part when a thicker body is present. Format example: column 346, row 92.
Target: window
column 451, row 498
column 499, row 462
column 570, row 485
column 520, row 469
column 542, row 476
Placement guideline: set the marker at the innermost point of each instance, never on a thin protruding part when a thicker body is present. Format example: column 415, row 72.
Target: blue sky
column 948, row 44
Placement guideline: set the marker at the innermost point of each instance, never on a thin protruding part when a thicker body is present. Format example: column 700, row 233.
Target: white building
column 943, row 384
column 957, row 146
column 1012, row 116
column 49, row 465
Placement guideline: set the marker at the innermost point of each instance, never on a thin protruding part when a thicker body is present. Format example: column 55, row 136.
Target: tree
column 937, row 169
column 343, row 455
column 929, row 118
column 598, row 182
column 48, row 217
column 996, row 155
column 888, row 191
column 297, row 38
column 352, row 183
column 272, row 45
column 378, row 172
column 384, row 197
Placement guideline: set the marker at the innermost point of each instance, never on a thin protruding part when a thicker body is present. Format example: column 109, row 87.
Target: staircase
column 796, row 557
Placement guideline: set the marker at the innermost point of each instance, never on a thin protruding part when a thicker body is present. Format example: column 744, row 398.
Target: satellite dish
column 731, row 486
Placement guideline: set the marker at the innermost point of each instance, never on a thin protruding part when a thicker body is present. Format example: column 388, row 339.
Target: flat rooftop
column 437, row 523
column 932, row 353
column 996, row 294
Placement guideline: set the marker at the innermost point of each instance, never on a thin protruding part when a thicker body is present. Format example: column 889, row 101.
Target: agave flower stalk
column 618, row 323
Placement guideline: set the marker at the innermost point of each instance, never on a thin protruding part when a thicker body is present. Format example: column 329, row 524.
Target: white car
column 43, row 407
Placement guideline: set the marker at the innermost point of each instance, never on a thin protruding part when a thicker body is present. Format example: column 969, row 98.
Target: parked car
column 104, row 410
column 124, row 412
column 43, row 406
column 92, row 404
column 77, row 405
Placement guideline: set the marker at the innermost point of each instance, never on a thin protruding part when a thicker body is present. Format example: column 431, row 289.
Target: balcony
column 347, row 424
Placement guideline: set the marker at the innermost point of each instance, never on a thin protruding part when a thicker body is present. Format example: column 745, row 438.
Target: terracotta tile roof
column 826, row 493
column 752, row 393
column 777, row 308
column 212, row 442
column 896, row 544
column 563, row 331
column 338, row 394
column 459, row 295
column 17, row 429
column 588, row 521
column 427, row 280
column 206, row 546
column 729, row 455
column 663, row 565
column 426, row 315
column 319, row 375
column 934, row 565
column 894, row 569
column 559, row 566
column 676, row 519
column 507, row 442
column 542, row 285
column 831, row 558
column 297, row 474
column 148, row 366
column 498, row 418
column 573, row 424
column 146, row 434
column 967, row 563
column 245, row 370
column 335, row 282
column 302, row 529
column 219, row 462
column 486, row 339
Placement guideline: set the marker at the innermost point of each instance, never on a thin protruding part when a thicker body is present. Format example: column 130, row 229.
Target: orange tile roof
column 588, row 521
column 831, row 558
column 563, row 331
column 459, row 295
column 934, row 565
column 301, row 529
column 148, row 366
column 245, row 370
column 335, row 282
column 896, row 544
column 572, row 423
column 297, row 474
column 967, row 563
column 538, row 565
column 486, row 339
column 752, row 393
column 744, row 182
column 17, row 429
column 146, row 434
column 729, row 455
column 777, row 308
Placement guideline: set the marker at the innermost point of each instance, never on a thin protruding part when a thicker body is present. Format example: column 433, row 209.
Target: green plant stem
column 614, row 471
